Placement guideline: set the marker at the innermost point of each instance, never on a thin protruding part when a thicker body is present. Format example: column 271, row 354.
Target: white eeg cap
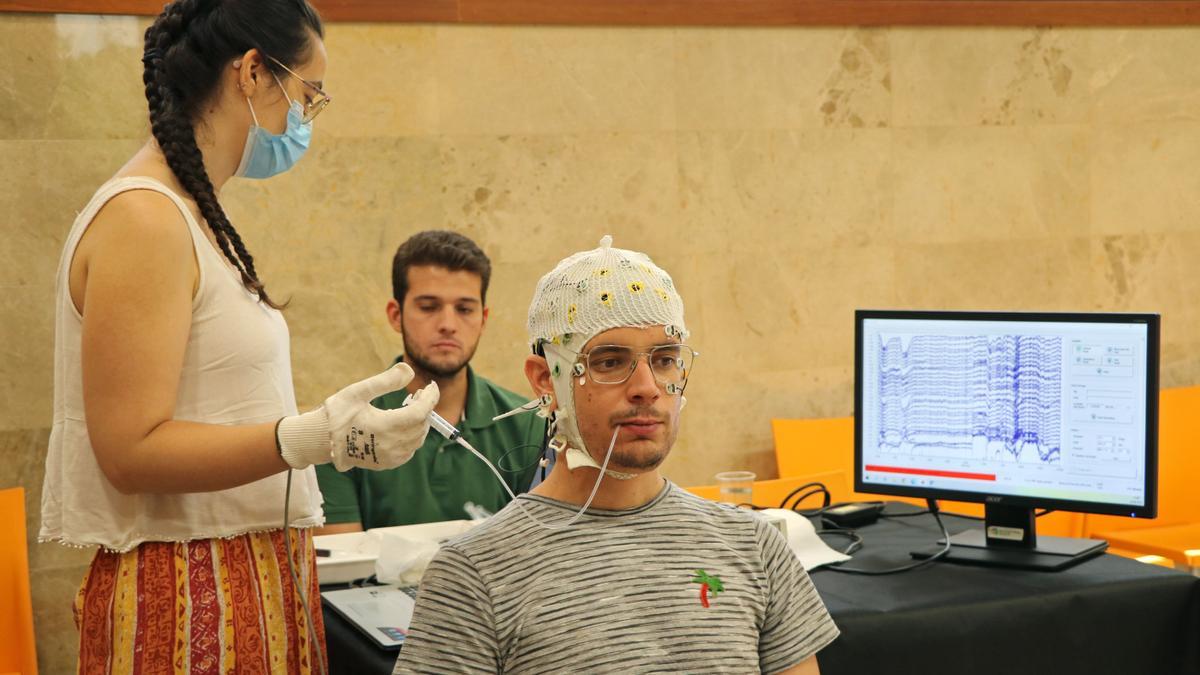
column 593, row 291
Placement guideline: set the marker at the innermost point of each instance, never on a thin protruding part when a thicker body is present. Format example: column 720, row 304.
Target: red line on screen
column 931, row 472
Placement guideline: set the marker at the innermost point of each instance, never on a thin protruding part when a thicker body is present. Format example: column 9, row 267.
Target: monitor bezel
column 1151, row 321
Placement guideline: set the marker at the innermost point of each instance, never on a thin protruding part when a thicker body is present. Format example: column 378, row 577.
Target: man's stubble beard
column 417, row 360
column 642, row 461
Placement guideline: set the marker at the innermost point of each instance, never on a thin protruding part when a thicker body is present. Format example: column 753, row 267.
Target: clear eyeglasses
column 313, row 107
column 614, row 364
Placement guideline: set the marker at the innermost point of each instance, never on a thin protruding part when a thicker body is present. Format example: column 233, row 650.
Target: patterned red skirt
column 205, row 606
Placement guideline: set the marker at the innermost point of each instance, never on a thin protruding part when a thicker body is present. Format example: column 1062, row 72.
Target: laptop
column 383, row 613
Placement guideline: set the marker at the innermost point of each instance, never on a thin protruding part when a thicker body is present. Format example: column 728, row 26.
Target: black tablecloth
column 1105, row 615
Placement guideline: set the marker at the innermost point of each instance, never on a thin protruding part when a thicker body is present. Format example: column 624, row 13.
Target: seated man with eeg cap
column 646, row 576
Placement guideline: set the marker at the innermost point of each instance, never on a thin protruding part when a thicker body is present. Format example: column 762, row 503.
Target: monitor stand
column 1009, row 539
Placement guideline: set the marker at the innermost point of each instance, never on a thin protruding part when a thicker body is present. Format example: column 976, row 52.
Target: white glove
column 350, row 432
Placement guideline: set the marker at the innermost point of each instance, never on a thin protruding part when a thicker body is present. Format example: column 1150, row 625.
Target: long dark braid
column 185, row 50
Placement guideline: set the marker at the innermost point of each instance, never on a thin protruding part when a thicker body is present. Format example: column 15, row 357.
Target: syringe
column 440, row 425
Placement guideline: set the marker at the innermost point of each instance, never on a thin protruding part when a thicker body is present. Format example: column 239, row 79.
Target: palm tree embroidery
column 708, row 583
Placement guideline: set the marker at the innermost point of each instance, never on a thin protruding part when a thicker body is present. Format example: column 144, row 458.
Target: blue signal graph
column 991, row 397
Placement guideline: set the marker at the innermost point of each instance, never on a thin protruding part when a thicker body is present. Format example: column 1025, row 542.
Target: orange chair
column 1179, row 544
column 17, row 652
column 1175, row 534
column 809, row 446
column 771, row 493
column 1178, row 466
column 812, row 446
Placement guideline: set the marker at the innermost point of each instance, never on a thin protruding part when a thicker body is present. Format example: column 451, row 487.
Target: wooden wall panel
column 832, row 12
column 405, row 11
column 708, row 12
column 83, row 6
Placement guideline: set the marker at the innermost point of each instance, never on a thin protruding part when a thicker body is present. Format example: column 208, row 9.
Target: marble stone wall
column 784, row 176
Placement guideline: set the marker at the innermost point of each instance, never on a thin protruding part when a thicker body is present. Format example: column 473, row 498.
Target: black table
column 1105, row 615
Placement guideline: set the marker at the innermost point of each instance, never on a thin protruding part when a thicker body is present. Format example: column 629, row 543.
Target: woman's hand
column 350, row 432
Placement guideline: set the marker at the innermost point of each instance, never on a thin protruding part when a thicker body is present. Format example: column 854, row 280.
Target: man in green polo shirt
column 439, row 284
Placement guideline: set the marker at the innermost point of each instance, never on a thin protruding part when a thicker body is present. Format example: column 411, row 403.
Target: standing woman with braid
column 175, row 421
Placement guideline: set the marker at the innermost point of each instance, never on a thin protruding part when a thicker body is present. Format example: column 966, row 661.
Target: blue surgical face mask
column 267, row 154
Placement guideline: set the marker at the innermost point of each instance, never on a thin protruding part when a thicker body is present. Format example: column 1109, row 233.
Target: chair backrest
column 814, row 446
column 17, row 651
column 1178, row 465
column 810, row 446
column 770, row 493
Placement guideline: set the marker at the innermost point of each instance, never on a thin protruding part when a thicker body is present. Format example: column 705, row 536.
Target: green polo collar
column 481, row 407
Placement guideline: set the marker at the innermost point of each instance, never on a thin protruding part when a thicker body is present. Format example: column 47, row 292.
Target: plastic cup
column 736, row 487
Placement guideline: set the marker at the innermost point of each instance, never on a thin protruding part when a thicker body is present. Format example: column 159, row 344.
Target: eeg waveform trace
column 984, row 397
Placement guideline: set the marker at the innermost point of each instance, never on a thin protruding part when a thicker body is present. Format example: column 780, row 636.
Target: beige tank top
column 236, row 370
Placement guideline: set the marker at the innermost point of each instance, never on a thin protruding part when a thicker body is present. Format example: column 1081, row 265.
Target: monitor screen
column 1053, row 411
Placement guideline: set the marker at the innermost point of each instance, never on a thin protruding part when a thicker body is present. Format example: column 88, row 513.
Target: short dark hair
column 444, row 249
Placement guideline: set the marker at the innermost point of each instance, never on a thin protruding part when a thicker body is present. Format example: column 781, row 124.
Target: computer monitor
column 1018, row 411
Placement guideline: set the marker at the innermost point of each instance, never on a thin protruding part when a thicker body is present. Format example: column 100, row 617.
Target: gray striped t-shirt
column 617, row 592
